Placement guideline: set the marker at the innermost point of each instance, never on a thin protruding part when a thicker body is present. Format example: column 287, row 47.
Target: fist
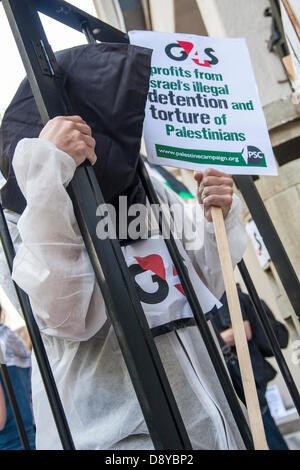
column 214, row 189
column 72, row 135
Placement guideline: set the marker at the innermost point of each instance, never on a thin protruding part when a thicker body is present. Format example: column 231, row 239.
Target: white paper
column 275, row 402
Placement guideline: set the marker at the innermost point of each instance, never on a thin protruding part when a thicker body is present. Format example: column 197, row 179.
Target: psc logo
column 181, row 50
column 252, row 155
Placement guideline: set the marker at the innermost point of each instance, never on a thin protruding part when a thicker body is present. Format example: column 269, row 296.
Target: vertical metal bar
column 13, row 403
column 171, row 248
column 271, row 239
column 270, row 335
column 37, row 343
column 197, row 311
column 139, row 351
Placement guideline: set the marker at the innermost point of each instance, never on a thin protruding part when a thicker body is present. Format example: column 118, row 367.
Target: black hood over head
column 107, row 85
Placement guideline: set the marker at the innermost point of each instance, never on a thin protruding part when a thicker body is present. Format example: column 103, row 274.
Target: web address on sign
column 161, row 152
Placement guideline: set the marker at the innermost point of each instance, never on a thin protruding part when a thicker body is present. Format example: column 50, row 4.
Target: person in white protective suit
column 53, row 267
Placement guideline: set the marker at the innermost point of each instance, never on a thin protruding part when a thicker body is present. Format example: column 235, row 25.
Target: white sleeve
column 52, row 265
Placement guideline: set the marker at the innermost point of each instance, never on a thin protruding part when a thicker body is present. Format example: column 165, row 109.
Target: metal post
column 270, row 335
column 139, row 351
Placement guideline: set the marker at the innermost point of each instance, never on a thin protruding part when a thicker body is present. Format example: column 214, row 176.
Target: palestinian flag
column 169, row 180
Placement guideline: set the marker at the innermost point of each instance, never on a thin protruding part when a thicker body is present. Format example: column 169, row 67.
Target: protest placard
column 203, row 108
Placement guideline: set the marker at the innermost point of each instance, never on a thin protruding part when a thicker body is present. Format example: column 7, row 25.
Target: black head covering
column 107, row 85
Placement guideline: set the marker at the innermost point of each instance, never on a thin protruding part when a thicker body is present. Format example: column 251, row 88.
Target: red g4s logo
column 164, row 279
column 181, row 50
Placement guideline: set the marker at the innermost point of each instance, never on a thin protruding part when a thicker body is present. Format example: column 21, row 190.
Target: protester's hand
column 228, row 336
column 72, row 135
column 214, row 189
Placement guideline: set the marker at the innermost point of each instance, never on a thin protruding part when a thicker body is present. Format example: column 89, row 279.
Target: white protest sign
column 203, row 108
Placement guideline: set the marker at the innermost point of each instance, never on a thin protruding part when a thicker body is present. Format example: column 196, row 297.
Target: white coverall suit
column 53, row 267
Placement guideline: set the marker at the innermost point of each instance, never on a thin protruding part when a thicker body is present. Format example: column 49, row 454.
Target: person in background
column 259, row 349
column 2, row 409
column 18, row 361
